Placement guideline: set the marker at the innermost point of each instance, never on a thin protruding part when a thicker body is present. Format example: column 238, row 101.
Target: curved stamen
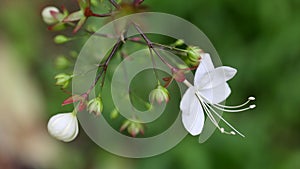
column 206, row 110
column 234, row 111
column 238, row 106
column 228, row 124
column 211, row 117
column 223, row 107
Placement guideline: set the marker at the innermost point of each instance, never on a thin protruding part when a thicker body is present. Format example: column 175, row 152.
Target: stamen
column 234, row 111
column 225, row 121
column 226, row 108
column 251, row 98
column 209, row 115
column 225, row 132
column 238, row 106
column 206, row 107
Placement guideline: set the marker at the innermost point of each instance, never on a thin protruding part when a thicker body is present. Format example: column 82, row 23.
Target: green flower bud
column 114, row 114
column 60, row 39
column 63, row 80
column 73, row 54
column 193, row 55
column 159, row 94
column 133, row 128
column 95, row 106
column 62, row 62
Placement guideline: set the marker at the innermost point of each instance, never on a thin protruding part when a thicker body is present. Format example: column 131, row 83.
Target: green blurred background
column 259, row 38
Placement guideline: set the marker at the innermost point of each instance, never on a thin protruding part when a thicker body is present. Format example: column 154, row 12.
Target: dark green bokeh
column 259, row 38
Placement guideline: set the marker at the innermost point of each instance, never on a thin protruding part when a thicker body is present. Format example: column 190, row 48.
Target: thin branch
column 115, row 4
column 150, row 45
column 105, row 65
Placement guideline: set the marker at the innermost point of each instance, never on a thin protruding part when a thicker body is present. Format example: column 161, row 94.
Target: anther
column 252, row 106
column 251, row 98
column 232, row 132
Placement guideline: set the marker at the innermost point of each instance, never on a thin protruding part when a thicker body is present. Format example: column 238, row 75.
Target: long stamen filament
column 238, row 106
column 207, row 106
column 227, row 123
column 217, row 114
column 234, row 111
column 211, row 117
column 226, row 108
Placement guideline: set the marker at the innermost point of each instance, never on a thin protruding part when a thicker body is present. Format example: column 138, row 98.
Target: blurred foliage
column 260, row 38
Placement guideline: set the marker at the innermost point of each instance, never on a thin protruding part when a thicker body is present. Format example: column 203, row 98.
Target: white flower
column 63, row 126
column 48, row 16
column 210, row 88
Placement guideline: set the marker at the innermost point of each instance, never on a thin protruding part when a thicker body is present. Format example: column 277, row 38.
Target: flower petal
column 216, row 77
column 206, row 65
column 229, row 72
column 216, row 94
column 72, row 135
column 186, row 99
column 63, row 126
column 192, row 112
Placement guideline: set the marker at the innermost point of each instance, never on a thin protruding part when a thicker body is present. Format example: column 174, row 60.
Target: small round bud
column 252, row 106
column 233, row 133
column 114, row 114
column 159, row 95
column 60, row 39
column 63, row 126
column 62, row 62
column 95, row 106
column 48, row 15
column 133, row 127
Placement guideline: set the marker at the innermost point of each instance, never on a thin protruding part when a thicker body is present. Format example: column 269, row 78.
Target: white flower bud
column 48, row 17
column 95, row 106
column 159, row 95
column 63, row 126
